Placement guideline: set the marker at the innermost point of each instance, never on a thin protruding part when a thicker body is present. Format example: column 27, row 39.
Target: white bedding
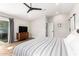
column 41, row 47
column 72, row 44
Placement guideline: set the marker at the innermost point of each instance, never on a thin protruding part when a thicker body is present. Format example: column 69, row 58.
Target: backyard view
column 3, row 31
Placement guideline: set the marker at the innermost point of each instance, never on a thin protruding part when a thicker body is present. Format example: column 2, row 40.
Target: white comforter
column 41, row 47
column 72, row 44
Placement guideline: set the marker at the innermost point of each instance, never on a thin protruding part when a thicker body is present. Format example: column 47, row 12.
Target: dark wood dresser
column 22, row 36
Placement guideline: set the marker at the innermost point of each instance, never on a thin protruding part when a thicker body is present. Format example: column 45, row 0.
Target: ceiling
column 19, row 10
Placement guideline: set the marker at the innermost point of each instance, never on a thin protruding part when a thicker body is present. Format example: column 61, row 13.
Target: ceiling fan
column 31, row 8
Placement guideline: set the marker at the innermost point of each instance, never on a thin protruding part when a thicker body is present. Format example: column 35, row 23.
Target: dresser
column 22, row 36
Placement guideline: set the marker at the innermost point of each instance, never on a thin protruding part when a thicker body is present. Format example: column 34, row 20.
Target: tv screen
column 23, row 29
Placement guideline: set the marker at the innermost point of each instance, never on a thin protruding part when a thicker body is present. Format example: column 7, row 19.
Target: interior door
column 50, row 30
column 72, row 24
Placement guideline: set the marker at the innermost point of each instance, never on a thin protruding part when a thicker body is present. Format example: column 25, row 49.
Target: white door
column 50, row 30
column 72, row 24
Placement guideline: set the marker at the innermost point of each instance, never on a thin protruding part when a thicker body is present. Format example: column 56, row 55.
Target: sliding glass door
column 3, row 31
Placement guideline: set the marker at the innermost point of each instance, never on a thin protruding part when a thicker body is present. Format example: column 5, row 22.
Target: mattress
column 41, row 47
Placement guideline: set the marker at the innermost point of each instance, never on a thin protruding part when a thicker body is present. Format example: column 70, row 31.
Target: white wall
column 38, row 27
column 17, row 23
column 5, row 19
column 63, row 31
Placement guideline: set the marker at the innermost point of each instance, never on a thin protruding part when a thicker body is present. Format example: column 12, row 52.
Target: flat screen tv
column 23, row 29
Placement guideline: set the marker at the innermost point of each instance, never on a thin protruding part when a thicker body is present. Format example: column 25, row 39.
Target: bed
column 72, row 43
column 41, row 47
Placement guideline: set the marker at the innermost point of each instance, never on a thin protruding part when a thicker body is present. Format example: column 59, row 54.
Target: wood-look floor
column 6, row 49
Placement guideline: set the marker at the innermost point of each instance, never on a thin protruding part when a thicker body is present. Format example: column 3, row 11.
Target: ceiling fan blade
column 26, row 5
column 36, row 9
column 29, row 10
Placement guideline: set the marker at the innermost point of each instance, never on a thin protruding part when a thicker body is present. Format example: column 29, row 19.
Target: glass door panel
column 3, row 31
